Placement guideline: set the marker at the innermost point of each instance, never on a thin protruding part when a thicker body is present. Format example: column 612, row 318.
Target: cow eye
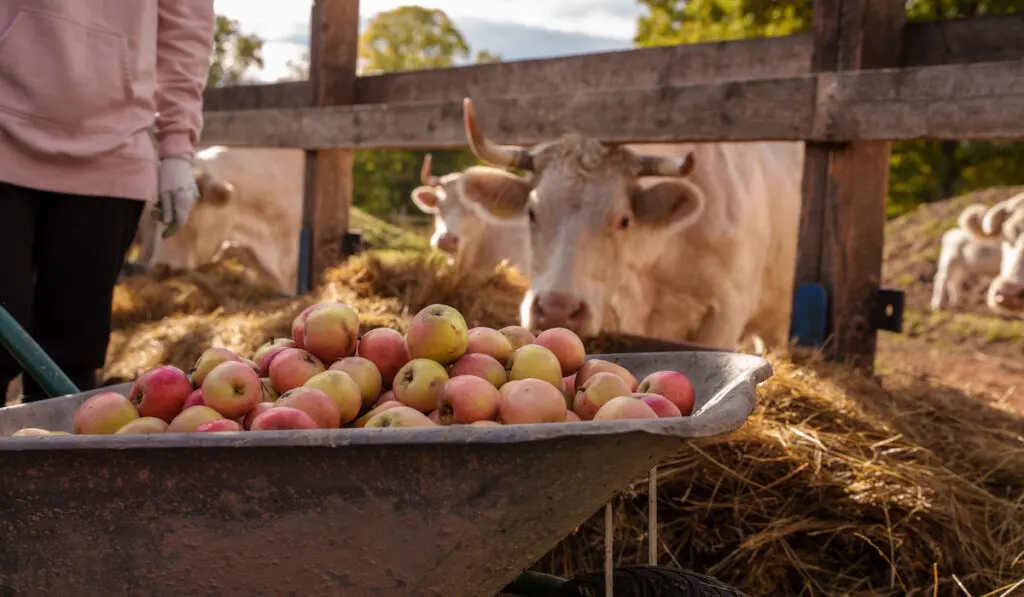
column 532, row 215
column 623, row 222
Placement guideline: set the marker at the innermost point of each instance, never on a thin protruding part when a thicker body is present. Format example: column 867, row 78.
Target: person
column 100, row 114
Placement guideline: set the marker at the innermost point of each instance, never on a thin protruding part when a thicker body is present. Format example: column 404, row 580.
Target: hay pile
column 838, row 485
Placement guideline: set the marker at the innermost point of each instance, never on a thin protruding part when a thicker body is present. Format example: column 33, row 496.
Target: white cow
column 1005, row 222
column 470, row 241
column 686, row 242
column 966, row 249
column 249, row 198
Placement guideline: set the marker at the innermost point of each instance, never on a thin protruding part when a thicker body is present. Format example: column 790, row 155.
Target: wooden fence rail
column 862, row 78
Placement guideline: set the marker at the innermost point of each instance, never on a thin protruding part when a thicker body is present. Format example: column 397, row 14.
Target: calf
column 470, row 241
column 1005, row 222
column 965, row 250
column 686, row 242
column 249, row 198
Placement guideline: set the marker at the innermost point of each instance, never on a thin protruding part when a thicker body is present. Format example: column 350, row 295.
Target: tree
column 233, row 54
column 920, row 171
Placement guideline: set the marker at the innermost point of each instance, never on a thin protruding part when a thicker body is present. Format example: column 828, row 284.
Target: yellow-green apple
column 517, row 336
column 266, row 353
column 536, row 362
column 103, row 413
column 400, row 416
column 342, row 389
column 30, row 432
column 491, row 342
column 364, row 373
column 361, row 421
column 597, row 365
column 210, row 358
column 142, row 426
column 596, row 392
column 232, row 389
column 439, row 333
column 192, row 417
column 420, row 383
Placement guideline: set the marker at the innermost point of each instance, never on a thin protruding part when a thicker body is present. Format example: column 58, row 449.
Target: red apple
column 283, row 417
column 566, row 345
column 160, row 392
column 218, row 425
column 480, row 365
column 292, row 368
column 314, row 402
column 661, row 405
column 266, row 353
column 299, row 325
column 672, row 385
column 387, row 349
column 232, row 389
column 194, row 399
column 261, row 408
column 467, row 399
column 331, row 332
column 530, row 400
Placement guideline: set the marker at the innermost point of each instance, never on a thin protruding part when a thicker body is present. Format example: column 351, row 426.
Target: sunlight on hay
column 837, row 485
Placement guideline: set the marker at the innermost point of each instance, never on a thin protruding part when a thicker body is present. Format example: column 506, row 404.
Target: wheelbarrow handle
column 32, row 358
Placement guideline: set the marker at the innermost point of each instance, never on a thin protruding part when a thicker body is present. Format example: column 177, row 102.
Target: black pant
column 60, row 256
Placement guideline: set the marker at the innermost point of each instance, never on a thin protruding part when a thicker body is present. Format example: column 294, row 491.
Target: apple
column 479, row 365
column 386, row 349
column 517, row 336
column 282, row 417
column 160, row 392
column 491, row 342
column 571, row 417
column 191, row 418
column 595, row 365
column 530, row 401
column 210, row 358
column 596, row 392
column 340, row 388
column 331, row 332
column 364, row 373
column 261, row 408
column 266, row 353
column 103, row 414
column 299, row 325
column 486, row 423
column 217, row 425
column 232, row 389
column 467, row 399
column 420, row 383
column 315, row 403
column 143, row 425
column 250, row 364
column 535, row 361
column 30, row 432
column 661, row 405
column 435, row 416
column 361, row 421
column 625, row 407
column 292, row 368
column 439, row 333
column 194, row 399
column 400, row 416
column 268, row 393
column 672, row 385
column 566, row 346
column 384, row 397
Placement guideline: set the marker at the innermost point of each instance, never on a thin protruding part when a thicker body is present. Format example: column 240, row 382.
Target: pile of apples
column 439, row 373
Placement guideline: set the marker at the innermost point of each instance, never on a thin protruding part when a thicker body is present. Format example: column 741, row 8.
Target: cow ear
column 212, row 190
column 496, row 195
column 675, row 203
column 426, row 199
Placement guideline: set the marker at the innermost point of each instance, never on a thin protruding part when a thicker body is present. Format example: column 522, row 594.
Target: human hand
column 177, row 194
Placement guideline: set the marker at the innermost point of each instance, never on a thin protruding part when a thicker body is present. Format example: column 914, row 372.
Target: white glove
column 177, row 194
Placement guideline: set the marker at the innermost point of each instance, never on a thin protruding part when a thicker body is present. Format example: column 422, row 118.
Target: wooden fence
column 861, row 79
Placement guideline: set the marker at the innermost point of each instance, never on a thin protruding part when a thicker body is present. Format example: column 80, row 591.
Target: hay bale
column 838, row 484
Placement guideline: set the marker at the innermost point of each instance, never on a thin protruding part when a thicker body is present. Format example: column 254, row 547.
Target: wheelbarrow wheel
column 631, row 581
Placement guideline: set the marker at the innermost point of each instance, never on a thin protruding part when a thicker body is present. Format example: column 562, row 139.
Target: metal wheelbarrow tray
column 445, row 511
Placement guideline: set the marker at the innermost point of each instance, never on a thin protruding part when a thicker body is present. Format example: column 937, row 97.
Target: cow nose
column 448, row 242
column 1010, row 293
column 558, row 309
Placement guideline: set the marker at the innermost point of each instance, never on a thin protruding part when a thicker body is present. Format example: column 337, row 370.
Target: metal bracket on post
column 888, row 312
column 352, row 243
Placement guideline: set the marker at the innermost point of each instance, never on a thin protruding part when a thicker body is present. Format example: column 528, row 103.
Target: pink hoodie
column 81, row 83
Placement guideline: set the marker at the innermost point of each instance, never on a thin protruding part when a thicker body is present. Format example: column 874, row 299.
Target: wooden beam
column 978, row 101
column 845, row 186
column 954, row 41
column 328, row 189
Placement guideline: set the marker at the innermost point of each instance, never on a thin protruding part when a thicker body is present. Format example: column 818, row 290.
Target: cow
column 966, row 250
column 1004, row 222
column 470, row 241
column 689, row 242
column 250, row 199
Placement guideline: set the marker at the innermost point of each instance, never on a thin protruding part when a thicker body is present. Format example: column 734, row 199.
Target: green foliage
column 920, row 171
column 233, row 53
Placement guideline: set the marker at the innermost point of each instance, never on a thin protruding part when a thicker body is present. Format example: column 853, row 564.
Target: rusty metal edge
column 724, row 413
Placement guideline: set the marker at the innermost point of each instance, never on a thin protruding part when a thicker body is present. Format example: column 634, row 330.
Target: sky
column 515, row 29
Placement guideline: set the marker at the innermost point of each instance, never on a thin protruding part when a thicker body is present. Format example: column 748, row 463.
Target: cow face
column 1005, row 221
column 436, row 196
column 213, row 190
column 592, row 218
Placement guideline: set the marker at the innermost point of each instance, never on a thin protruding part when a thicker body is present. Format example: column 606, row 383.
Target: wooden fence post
column 842, row 225
column 334, row 43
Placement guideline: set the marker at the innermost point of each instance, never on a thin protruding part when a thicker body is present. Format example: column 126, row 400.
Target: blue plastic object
column 809, row 323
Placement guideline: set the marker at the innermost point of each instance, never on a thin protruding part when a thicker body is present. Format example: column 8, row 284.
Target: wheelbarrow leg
column 33, row 359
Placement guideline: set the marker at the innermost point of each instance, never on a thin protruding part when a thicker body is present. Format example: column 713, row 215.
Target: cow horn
column 487, row 150
column 426, row 176
column 652, row 165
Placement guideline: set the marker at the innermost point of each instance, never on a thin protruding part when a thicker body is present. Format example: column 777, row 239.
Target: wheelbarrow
column 457, row 511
